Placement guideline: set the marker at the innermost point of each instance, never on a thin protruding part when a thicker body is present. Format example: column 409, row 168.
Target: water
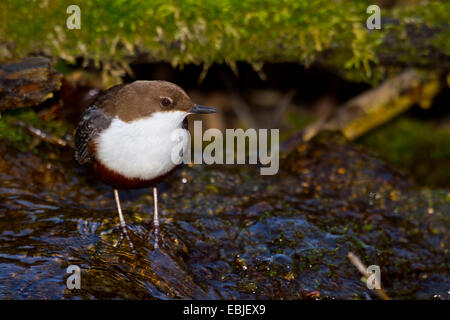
column 226, row 231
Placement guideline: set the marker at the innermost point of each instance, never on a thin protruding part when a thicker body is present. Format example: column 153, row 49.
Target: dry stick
column 240, row 108
column 43, row 135
column 362, row 268
column 379, row 105
column 283, row 104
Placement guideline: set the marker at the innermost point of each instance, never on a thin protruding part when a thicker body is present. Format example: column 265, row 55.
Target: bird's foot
column 123, row 235
column 153, row 236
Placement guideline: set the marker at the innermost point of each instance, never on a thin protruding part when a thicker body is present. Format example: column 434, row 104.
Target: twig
column 283, row 104
column 45, row 136
column 362, row 268
column 379, row 105
column 240, row 108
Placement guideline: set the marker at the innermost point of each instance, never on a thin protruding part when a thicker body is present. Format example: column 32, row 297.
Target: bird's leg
column 155, row 215
column 123, row 225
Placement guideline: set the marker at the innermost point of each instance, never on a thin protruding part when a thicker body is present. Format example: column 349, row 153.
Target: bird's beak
column 202, row 109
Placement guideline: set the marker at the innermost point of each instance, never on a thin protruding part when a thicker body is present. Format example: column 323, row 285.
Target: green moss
column 18, row 137
column 212, row 188
column 210, row 31
column 248, row 286
column 272, row 273
column 296, row 120
column 435, row 14
column 415, row 146
column 14, row 136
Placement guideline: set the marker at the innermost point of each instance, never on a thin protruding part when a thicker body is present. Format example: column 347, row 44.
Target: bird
column 125, row 137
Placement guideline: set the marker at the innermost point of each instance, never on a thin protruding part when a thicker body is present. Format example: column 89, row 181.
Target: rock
column 259, row 209
column 28, row 82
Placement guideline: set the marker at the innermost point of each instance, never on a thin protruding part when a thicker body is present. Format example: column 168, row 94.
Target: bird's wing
column 92, row 122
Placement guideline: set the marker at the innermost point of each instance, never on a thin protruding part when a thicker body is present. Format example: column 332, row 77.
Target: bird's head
column 141, row 99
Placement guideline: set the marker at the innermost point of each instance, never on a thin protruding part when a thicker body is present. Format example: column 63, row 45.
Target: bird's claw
column 124, row 234
column 153, row 235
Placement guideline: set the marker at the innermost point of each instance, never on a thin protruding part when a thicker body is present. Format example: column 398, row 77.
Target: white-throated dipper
column 125, row 135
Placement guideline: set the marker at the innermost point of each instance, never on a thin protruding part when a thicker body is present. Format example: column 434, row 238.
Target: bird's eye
column 166, row 102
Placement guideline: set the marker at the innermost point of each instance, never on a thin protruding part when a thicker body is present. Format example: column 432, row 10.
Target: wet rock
column 27, row 82
column 281, row 263
column 259, row 209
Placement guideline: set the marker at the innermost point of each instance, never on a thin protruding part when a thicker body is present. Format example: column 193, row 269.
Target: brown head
column 142, row 98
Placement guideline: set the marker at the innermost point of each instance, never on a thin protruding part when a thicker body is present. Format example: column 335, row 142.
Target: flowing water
column 226, row 231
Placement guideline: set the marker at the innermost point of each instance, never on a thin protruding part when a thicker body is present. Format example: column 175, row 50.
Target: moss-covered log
column 113, row 33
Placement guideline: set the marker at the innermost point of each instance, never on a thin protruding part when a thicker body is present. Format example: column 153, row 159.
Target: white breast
column 141, row 148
